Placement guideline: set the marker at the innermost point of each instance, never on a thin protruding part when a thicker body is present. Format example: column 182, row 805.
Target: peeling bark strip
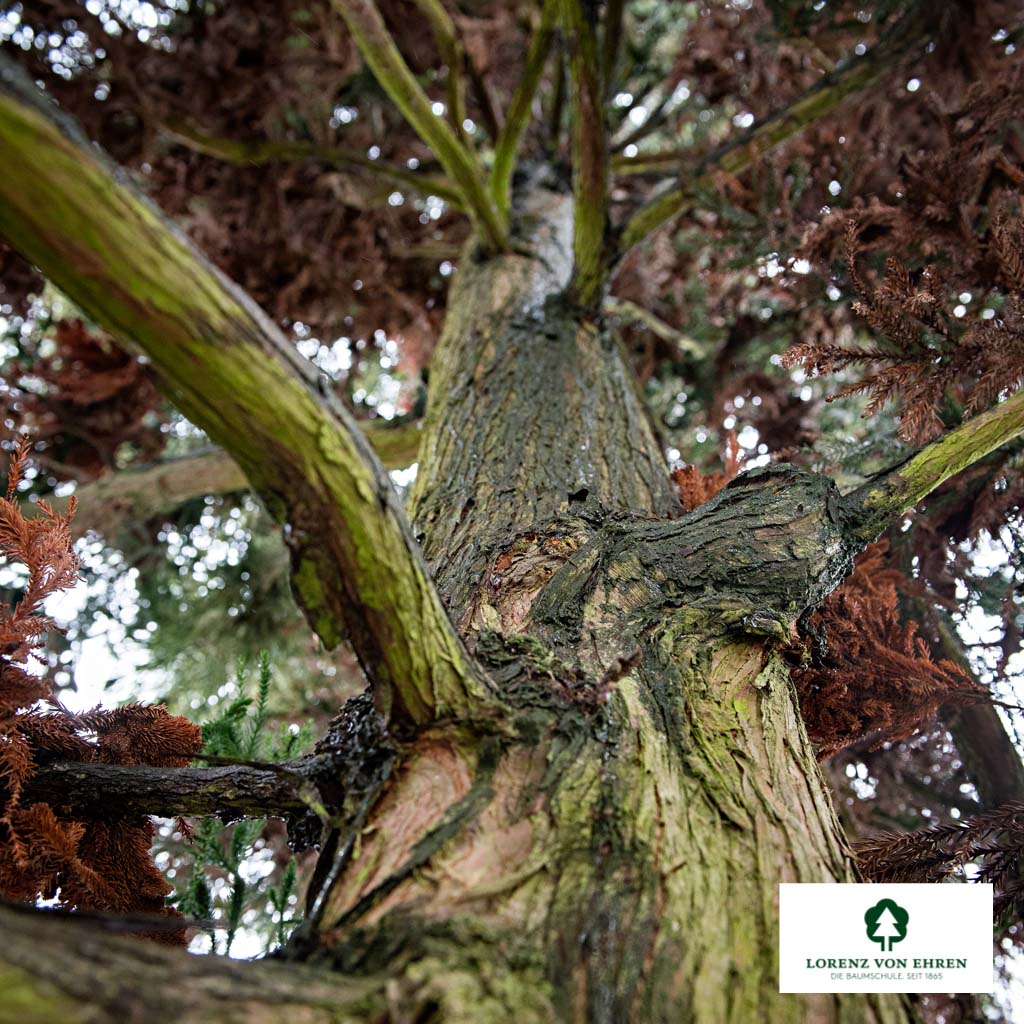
column 356, row 570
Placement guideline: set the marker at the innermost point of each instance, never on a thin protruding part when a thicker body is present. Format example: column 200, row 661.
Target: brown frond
column 94, row 397
column 101, row 864
column 956, row 228
column 696, row 487
column 873, row 677
column 993, row 842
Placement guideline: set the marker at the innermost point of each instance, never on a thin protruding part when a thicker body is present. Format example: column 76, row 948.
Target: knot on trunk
column 752, row 560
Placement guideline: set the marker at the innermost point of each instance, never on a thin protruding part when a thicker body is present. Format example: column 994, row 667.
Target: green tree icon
column 886, row 923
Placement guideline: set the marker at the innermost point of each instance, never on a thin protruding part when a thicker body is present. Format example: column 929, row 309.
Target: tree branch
column 518, row 118
column 989, row 756
column 662, row 109
column 56, row 968
column 270, row 151
column 738, row 154
column 453, row 53
column 589, row 156
column 630, row 311
column 356, row 569
column 450, row 48
column 388, row 66
column 557, row 107
column 881, row 501
column 106, row 504
column 990, row 759
column 242, row 791
column 611, row 43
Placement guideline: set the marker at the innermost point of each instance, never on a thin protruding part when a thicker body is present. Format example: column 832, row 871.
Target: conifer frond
column 957, row 230
column 696, row 487
column 83, row 397
column 992, row 842
column 872, row 677
column 102, row 864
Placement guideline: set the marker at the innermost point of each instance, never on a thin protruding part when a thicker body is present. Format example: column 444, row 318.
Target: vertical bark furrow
column 533, row 411
column 640, row 819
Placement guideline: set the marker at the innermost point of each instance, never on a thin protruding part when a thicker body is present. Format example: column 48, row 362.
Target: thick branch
column 518, row 117
column 881, row 501
column 381, row 55
column 270, row 151
column 990, row 759
column 235, row 790
column 56, row 968
column 738, row 154
column 134, row 495
column 131, row 495
column 589, row 155
column 748, row 562
column 356, row 569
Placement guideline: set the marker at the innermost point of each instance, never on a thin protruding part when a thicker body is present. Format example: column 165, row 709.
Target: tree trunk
column 614, row 854
column 611, row 850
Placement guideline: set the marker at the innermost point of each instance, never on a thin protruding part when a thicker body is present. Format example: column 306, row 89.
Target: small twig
column 620, row 667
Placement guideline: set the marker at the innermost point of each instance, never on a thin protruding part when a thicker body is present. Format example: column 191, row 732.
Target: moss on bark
column 608, row 849
column 356, row 570
column 614, row 854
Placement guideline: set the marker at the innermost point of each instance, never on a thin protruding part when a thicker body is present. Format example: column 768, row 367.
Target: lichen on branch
column 356, row 568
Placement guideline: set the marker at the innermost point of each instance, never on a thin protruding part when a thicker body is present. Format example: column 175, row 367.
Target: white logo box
column 825, row 946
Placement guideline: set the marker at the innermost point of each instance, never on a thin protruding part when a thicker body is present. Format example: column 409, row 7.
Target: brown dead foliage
column 46, row 852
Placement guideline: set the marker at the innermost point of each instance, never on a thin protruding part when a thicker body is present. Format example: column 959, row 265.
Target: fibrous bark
column 94, row 789
column 607, row 848
column 533, row 411
column 614, row 853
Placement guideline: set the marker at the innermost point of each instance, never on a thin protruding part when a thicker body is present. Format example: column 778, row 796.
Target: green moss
column 27, row 1000
column 307, row 582
column 870, row 509
column 225, row 366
